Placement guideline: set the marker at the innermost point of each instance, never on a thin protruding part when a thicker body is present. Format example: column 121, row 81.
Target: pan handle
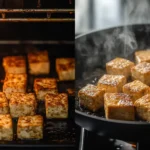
column 82, row 136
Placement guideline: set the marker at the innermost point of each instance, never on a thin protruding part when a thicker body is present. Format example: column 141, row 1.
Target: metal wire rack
column 48, row 15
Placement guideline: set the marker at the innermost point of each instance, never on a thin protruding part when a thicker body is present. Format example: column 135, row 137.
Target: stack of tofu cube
column 121, row 98
column 15, row 102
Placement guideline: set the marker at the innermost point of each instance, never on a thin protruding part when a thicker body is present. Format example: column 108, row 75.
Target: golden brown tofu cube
column 112, row 83
column 142, row 106
column 43, row 86
column 142, row 56
column 141, row 72
column 65, row 68
column 14, row 83
column 4, row 107
column 39, row 62
column 118, row 106
column 56, row 105
column 136, row 89
column 22, row 104
column 30, row 127
column 119, row 66
column 14, row 64
column 91, row 97
column 6, row 127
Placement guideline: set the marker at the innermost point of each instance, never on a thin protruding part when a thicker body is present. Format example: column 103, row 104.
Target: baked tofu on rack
column 118, row 106
column 112, row 83
column 136, row 89
column 142, row 106
column 56, row 105
column 39, row 62
column 14, row 83
column 30, row 127
column 14, row 64
column 91, row 97
column 6, row 127
column 119, row 66
column 43, row 86
column 22, row 104
column 142, row 56
column 4, row 107
column 141, row 72
column 65, row 68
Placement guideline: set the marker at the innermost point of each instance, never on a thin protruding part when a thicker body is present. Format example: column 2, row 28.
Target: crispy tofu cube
column 22, row 104
column 142, row 56
column 30, row 127
column 112, row 83
column 142, row 107
column 141, row 72
column 65, row 68
column 136, row 89
column 56, row 105
column 14, row 83
column 39, row 62
column 4, row 107
column 14, row 64
column 119, row 66
column 118, row 106
column 6, row 127
column 91, row 97
column 43, row 86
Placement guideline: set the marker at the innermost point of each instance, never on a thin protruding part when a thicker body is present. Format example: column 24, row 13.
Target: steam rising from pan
column 95, row 49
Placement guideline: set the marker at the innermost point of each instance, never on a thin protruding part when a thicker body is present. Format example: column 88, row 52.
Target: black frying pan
column 93, row 50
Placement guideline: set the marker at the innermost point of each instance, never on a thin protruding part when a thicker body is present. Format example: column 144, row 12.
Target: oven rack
column 48, row 17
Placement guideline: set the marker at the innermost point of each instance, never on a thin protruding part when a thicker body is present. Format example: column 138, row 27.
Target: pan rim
column 107, row 28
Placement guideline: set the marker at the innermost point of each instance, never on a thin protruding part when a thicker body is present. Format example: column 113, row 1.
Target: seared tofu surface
column 14, row 64
column 65, row 68
column 56, row 105
column 119, row 66
column 112, row 83
column 141, row 72
column 39, row 62
column 6, row 127
column 142, row 56
column 43, row 86
column 30, row 127
column 4, row 107
column 119, row 106
column 22, row 104
column 91, row 97
column 14, row 83
column 142, row 106
column 136, row 89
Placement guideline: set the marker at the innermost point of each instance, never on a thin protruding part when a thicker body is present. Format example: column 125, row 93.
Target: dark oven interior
column 21, row 32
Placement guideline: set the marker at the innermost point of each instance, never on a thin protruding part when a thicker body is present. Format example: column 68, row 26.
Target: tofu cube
column 112, row 83
column 22, row 104
column 39, row 62
column 136, row 89
column 30, row 127
column 6, row 127
column 14, row 64
column 56, row 105
column 65, row 68
column 119, row 66
column 141, row 72
column 43, row 86
column 4, row 107
column 142, row 56
column 14, row 83
column 142, row 107
column 91, row 97
column 118, row 106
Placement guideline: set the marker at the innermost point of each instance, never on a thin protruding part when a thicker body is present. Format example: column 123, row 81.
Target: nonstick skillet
column 93, row 50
